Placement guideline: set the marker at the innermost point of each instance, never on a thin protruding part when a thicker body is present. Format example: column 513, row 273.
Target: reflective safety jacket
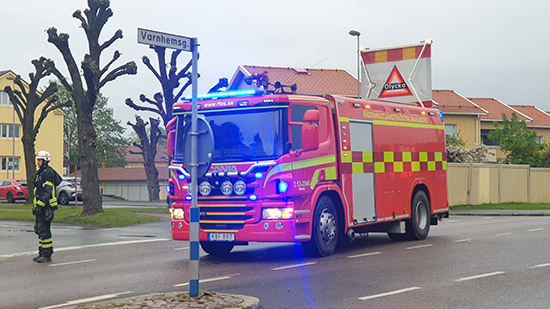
column 45, row 182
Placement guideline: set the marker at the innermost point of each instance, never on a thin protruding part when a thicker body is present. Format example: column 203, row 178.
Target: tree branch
column 116, row 36
column 147, row 63
column 116, row 55
column 128, row 68
column 136, row 107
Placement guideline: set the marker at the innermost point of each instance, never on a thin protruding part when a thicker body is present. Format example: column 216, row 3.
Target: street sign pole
column 194, row 210
column 156, row 38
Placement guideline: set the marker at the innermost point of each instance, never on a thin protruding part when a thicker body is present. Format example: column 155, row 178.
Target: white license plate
column 221, row 237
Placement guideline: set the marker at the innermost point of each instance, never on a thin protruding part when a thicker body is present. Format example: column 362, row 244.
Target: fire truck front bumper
column 297, row 228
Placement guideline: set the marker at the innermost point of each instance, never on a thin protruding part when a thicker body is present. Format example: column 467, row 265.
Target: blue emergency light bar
column 225, row 94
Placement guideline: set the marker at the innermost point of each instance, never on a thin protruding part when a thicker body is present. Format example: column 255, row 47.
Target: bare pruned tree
column 84, row 90
column 29, row 102
column 170, row 80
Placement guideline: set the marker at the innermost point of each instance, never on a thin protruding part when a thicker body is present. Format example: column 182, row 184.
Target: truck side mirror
column 310, row 131
column 170, row 143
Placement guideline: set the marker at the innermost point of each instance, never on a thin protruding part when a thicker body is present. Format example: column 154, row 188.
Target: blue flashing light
column 441, row 115
column 168, row 188
column 181, row 177
column 253, row 197
column 283, row 186
column 223, row 94
column 259, row 175
column 188, row 198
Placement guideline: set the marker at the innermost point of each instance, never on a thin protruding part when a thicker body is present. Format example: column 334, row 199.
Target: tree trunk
column 148, row 147
column 30, row 163
column 153, row 188
column 88, row 161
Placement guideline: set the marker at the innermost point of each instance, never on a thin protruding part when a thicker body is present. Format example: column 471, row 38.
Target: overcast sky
column 481, row 48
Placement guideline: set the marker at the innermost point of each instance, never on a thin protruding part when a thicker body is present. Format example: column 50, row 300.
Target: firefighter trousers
column 42, row 228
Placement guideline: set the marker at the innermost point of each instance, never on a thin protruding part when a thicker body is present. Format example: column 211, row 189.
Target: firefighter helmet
column 44, row 155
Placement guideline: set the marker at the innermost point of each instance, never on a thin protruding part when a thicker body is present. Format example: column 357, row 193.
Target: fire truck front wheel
column 217, row 248
column 325, row 228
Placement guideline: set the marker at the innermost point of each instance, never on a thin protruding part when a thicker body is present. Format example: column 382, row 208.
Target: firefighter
column 44, row 205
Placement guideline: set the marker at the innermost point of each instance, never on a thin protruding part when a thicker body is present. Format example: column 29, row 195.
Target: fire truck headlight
column 227, row 188
column 178, row 213
column 277, row 213
column 239, row 187
column 205, row 188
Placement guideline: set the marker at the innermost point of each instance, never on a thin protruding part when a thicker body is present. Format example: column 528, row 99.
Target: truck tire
column 217, row 248
column 418, row 226
column 325, row 228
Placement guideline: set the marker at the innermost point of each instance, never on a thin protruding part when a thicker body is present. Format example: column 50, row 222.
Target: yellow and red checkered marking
column 359, row 162
column 395, row 54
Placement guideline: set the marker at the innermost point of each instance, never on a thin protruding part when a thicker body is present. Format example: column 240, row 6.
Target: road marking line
column 463, row 240
column 293, row 266
column 451, row 221
column 88, row 300
column 116, row 243
column 419, row 246
column 363, row 255
column 71, row 263
column 390, row 293
column 487, row 218
column 184, row 248
column 536, row 230
column 205, row 280
column 480, row 276
column 503, row 234
column 540, row 265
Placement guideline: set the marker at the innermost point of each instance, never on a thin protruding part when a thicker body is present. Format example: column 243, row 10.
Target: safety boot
column 35, row 259
column 44, row 259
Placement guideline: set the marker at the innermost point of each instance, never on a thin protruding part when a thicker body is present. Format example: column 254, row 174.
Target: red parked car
column 11, row 190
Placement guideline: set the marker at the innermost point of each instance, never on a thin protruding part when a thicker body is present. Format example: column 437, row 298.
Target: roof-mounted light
column 224, row 94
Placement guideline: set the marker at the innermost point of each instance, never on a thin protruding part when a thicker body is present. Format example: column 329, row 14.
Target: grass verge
column 110, row 217
column 512, row 206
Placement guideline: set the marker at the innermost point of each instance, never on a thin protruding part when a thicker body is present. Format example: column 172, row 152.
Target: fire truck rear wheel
column 419, row 224
column 217, row 248
column 325, row 231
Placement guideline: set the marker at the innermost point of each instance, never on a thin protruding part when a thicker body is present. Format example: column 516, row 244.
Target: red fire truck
column 317, row 170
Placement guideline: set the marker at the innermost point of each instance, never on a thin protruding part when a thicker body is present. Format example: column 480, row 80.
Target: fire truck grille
column 224, row 218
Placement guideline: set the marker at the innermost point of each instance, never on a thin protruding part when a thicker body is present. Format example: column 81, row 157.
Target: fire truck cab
column 317, row 170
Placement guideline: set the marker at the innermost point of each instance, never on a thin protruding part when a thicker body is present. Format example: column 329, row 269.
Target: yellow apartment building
column 461, row 116
column 50, row 136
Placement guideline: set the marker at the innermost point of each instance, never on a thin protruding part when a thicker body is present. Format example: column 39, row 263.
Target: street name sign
column 156, row 38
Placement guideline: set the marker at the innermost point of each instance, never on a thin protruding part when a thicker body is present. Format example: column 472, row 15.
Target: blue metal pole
column 194, row 210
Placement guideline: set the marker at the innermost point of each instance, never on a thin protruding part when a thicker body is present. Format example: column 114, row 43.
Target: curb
column 175, row 300
column 503, row 213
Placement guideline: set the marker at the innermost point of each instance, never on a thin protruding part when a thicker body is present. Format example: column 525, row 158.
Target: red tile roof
column 161, row 157
column 541, row 119
column 126, row 174
column 450, row 102
column 309, row 81
column 496, row 108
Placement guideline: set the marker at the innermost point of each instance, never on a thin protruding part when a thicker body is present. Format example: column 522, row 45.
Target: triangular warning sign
column 395, row 86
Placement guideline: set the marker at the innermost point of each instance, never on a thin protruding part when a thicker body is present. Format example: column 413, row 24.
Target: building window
column 450, row 129
column 4, row 98
column 7, row 165
column 539, row 140
column 485, row 138
column 6, row 130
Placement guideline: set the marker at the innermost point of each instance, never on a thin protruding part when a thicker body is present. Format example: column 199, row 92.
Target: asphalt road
column 466, row 262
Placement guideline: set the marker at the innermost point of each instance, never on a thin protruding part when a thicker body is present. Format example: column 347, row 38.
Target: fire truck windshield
column 252, row 135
